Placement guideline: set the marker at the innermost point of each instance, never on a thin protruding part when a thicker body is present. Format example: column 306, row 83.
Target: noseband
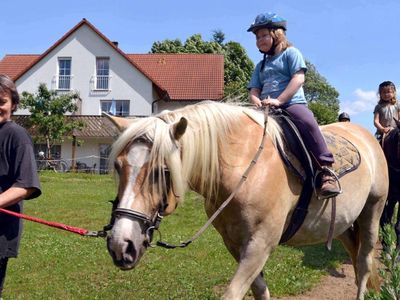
column 150, row 223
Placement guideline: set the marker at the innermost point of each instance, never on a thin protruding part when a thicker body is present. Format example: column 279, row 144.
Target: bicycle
column 57, row 165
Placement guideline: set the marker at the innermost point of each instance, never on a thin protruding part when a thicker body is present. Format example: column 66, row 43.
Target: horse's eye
column 117, row 166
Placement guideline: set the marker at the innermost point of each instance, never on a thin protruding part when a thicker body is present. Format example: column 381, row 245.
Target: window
column 64, row 73
column 115, row 107
column 102, row 73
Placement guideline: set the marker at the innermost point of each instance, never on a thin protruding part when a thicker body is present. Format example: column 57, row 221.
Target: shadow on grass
column 318, row 257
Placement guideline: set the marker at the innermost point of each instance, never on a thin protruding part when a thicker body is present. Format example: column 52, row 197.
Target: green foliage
column 237, row 65
column 390, row 273
column 322, row 98
column 48, row 111
column 55, row 264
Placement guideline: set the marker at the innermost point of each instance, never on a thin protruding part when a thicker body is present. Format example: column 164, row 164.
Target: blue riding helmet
column 267, row 20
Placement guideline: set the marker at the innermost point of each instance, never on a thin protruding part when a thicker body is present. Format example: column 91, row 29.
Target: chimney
column 115, row 43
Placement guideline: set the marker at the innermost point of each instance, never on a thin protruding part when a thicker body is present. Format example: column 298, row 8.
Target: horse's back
column 370, row 151
column 367, row 182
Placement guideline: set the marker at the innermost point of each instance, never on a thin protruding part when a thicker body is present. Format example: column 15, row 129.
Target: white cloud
column 363, row 101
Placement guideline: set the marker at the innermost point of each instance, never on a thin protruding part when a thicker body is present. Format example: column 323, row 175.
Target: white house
column 110, row 80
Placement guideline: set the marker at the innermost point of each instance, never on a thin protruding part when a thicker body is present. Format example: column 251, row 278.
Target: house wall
column 87, row 151
column 172, row 105
column 83, row 46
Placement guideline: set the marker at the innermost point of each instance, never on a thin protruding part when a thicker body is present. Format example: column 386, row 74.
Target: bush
column 390, row 272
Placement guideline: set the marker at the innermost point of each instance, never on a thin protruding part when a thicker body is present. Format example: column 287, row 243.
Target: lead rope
column 77, row 230
column 226, row 202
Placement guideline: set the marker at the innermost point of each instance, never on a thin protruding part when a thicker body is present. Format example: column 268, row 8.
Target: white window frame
column 64, row 81
column 119, row 105
column 102, row 78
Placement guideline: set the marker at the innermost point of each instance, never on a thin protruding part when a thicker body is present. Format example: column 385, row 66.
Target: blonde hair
column 280, row 40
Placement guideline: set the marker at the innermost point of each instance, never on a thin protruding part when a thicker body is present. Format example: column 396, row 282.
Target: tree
column 48, row 114
column 237, row 65
column 322, row 98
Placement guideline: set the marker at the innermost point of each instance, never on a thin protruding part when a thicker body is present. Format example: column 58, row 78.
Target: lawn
column 54, row 264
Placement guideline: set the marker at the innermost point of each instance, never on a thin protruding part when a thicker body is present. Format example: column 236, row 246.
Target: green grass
column 54, row 264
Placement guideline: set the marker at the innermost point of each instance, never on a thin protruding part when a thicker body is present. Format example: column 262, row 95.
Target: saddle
column 298, row 159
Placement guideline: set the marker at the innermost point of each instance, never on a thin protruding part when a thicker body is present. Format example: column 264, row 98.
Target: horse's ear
column 179, row 128
column 120, row 123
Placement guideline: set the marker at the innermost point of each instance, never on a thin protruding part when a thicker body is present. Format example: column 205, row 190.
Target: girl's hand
column 257, row 102
column 271, row 101
column 387, row 129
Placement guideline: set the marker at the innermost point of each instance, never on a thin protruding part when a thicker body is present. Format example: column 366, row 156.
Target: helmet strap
column 263, row 62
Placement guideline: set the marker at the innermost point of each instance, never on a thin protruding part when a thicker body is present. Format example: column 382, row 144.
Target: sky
column 353, row 44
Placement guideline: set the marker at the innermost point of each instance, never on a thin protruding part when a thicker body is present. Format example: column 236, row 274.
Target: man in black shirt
column 18, row 174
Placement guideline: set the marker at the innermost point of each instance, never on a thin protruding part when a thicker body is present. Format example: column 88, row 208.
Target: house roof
column 95, row 126
column 185, row 76
column 12, row 65
column 174, row 76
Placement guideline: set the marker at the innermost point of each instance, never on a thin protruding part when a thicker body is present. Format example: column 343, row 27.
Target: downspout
column 164, row 98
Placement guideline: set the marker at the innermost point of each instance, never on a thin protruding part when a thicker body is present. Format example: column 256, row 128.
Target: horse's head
column 148, row 165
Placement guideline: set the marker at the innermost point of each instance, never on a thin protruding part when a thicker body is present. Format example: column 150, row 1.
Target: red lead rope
column 72, row 229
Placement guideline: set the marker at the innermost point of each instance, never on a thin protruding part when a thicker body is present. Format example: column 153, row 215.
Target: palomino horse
column 391, row 148
column 207, row 147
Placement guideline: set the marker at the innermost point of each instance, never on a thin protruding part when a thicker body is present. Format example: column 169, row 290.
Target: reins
column 228, row 200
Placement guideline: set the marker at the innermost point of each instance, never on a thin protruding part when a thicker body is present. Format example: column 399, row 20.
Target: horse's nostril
column 130, row 248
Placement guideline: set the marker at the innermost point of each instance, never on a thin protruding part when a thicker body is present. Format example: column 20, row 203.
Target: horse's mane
column 209, row 125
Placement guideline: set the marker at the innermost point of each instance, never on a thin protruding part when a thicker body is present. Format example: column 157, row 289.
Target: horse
column 207, row 147
column 391, row 149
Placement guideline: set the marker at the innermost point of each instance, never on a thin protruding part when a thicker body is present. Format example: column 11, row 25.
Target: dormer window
column 64, row 73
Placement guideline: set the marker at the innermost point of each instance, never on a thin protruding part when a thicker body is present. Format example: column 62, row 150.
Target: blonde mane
column 209, row 125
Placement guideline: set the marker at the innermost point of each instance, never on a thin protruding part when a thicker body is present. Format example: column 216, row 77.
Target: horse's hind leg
column 351, row 242
column 368, row 222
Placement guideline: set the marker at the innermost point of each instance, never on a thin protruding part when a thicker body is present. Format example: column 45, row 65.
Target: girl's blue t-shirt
column 277, row 73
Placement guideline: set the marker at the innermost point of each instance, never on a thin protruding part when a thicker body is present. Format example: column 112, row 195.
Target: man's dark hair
column 7, row 86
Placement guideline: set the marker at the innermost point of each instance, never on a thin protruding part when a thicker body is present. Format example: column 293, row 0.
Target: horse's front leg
column 252, row 259
column 260, row 288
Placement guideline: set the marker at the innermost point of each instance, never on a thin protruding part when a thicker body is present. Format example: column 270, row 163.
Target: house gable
column 146, row 78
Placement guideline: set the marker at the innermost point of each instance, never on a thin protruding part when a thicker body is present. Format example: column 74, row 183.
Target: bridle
column 150, row 223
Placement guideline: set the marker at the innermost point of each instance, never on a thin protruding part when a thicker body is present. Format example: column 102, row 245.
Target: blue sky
column 353, row 44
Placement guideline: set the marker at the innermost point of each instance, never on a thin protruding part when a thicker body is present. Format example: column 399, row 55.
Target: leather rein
column 152, row 223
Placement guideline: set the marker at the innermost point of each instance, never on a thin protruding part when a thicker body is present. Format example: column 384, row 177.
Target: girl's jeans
column 304, row 119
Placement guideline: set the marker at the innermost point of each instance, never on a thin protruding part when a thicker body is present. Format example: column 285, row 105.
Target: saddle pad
column 347, row 157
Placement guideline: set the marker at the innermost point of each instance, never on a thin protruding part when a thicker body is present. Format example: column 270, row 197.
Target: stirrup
column 330, row 171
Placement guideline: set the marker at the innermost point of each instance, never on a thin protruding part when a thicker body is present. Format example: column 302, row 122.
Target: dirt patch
column 339, row 284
